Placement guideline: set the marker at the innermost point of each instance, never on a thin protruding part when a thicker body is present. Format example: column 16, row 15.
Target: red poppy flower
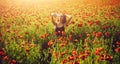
column 87, row 52
column 80, row 25
column 118, row 43
column 44, row 36
column 90, row 23
column 106, row 34
column 50, row 43
column 98, row 22
column 70, row 57
column 2, row 53
column 55, row 54
column 74, row 52
column 117, row 50
column 99, row 34
column 6, row 58
column 62, row 44
column 98, row 50
column 64, row 61
column 13, row 62
column 88, row 35
column 60, row 39
column 63, row 33
column 76, row 62
column 75, row 40
column 108, row 57
column 86, row 40
column 27, row 49
column 82, row 57
column 70, row 37
column 62, row 53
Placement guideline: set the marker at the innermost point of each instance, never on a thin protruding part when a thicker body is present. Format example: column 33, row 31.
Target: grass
column 92, row 36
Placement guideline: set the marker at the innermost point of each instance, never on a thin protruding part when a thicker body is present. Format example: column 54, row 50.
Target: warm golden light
column 32, row 1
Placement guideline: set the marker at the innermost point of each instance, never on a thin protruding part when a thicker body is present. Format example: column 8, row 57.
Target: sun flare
column 33, row 1
column 59, row 31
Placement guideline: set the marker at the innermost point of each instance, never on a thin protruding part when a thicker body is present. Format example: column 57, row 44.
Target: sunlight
column 29, row 2
column 34, row 1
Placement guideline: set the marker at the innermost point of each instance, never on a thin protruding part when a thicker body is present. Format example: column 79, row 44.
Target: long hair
column 64, row 19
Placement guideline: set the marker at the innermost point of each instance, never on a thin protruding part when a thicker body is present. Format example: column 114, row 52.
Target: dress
column 59, row 30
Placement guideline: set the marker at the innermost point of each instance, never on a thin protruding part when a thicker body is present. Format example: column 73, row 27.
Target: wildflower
column 86, row 40
column 70, row 37
column 84, row 46
column 65, row 42
column 27, row 49
column 55, row 54
column 104, row 27
column 75, row 41
column 99, row 34
column 70, row 57
column 108, row 57
column 15, row 31
column 100, row 58
column 82, row 57
column 50, row 51
column 87, row 52
column 20, row 37
column 90, row 23
column 13, row 62
column 44, row 36
column 62, row 45
column 98, row 22
column 50, row 43
column 64, row 61
column 81, row 53
column 117, row 50
column 118, row 43
column 94, row 42
column 60, row 39
column 31, row 45
column 80, row 25
column 6, row 58
column 74, row 52
column 80, row 36
column 63, row 33
column 2, row 53
column 62, row 53
column 26, row 33
column 66, row 51
column 88, row 35
column 72, row 22
column 98, row 50
column 0, row 34
column 7, row 30
column 22, row 46
column 8, row 25
column 85, row 24
column 76, row 62
column 106, row 34
column 94, row 33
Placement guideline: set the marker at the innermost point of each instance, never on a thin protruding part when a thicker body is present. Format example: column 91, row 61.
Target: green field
column 27, row 34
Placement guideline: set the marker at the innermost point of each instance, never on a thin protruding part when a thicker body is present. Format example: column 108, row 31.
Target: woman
column 60, row 21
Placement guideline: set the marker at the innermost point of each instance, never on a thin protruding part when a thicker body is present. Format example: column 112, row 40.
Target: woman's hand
column 53, row 14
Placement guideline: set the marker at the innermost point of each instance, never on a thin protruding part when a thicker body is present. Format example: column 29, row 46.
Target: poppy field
column 27, row 35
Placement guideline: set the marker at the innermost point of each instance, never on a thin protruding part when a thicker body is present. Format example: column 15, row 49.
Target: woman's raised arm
column 52, row 17
column 69, row 18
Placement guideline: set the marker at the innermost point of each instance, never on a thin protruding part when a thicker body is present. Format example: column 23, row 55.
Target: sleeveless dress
column 59, row 30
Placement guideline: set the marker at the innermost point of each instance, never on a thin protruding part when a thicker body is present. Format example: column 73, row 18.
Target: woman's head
column 61, row 18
